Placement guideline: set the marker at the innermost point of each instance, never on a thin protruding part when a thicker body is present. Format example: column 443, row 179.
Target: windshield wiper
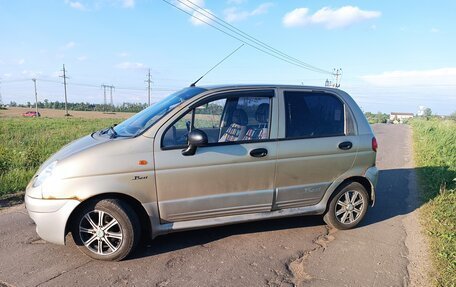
column 106, row 130
column 114, row 133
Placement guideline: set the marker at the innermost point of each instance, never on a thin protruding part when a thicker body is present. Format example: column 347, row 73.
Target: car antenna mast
column 223, row 60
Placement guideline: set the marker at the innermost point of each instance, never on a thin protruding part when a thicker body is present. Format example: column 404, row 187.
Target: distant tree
column 453, row 116
column 13, row 104
column 381, row 118
column 427, row 113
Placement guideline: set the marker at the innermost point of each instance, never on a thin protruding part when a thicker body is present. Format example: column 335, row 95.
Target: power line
column 246, row 36
column 246, row 41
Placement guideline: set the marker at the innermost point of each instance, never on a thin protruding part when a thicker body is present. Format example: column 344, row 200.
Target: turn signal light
column 142, row 162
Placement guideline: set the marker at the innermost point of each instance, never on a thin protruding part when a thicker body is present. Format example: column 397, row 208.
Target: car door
column 317, row 144
column 234, row 173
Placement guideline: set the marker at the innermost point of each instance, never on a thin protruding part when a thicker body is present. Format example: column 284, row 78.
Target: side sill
column 233, row 219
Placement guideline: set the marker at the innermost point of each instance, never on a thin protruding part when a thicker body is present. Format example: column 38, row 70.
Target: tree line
column 46, row 104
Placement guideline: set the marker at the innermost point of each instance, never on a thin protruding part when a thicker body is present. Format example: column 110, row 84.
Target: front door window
column 236, row 118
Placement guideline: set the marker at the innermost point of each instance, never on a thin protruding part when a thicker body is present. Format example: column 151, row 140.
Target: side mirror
column 196, row 138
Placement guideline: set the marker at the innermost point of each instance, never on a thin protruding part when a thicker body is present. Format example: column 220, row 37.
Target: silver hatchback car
column 207, row 156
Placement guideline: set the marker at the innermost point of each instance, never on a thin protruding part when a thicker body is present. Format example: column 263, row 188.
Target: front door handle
column 345, row 145
column 259, row 152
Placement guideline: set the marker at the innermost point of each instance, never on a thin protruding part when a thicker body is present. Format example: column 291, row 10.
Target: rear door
column 229, row 176
column 317, row 144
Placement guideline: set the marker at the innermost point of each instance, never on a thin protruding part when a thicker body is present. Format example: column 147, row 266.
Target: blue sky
column 395, row 55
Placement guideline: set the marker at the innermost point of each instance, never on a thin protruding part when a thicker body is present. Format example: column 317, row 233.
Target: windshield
column 147, row 117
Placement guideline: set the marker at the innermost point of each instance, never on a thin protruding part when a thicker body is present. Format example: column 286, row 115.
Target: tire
column 118, row 236
column 342, row 209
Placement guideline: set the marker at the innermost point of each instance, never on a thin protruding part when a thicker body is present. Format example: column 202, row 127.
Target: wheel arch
column 131, row 201
column 364, row 182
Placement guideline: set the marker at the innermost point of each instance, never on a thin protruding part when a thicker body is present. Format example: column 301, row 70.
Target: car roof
column 264, row 86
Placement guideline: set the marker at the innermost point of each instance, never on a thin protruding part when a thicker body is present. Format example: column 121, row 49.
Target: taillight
column 374, row 144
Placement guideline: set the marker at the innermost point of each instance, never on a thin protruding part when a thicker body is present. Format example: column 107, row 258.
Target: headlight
column 44, row 174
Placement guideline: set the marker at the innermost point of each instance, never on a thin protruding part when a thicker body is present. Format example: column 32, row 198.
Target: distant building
column 397, row 117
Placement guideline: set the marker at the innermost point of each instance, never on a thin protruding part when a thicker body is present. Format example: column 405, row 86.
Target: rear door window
column 313, row 114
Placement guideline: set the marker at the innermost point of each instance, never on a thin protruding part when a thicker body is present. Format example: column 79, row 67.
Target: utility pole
column 148, row 81
column 110, row 93
column 110, row 87
column 338, row 75
column 64, row 76
column 104, row 97
column 36, row 97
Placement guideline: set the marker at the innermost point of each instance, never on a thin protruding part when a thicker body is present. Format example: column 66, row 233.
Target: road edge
column 419, row 265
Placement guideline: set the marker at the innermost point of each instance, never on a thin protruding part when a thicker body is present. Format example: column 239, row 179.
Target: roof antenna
column 192, row 85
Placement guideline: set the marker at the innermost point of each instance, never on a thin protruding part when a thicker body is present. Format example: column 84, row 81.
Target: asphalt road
column 302, row 251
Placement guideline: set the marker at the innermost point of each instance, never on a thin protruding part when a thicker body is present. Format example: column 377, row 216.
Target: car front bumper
column 50, row 216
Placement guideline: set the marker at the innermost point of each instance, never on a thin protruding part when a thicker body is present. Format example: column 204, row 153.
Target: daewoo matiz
column 207, row 156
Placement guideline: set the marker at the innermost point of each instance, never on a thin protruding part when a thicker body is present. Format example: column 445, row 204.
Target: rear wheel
column 347, row 207
column 107, row 229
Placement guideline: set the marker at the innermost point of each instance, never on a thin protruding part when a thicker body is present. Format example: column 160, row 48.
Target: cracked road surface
column 298, row 251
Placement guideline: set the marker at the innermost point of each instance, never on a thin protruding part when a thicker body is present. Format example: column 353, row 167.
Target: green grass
column 25, row 143
column 435, row 156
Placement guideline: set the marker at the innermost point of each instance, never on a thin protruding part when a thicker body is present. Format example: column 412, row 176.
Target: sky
column 394, row 55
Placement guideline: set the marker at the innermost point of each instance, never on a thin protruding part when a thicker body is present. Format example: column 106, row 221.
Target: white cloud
column 198, row 19
column 76, row 5
column 128, row 3
column 130, row 65
column 328, row 17
column 123, row 54
column 56, row 74
column 235, row 2
column 234, row 14
column 201, row 12
column 31, row 74
column 435, row 77
column 95, row 5
column 70, row 45
column 262, row 9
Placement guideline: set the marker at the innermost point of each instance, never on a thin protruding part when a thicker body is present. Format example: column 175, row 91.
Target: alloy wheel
column 100, row 232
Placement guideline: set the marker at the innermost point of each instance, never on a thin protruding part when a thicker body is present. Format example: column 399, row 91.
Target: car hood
column 74, row 147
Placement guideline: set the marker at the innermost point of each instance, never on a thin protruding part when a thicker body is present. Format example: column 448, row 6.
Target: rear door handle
column 345, row 145
column 259, row 152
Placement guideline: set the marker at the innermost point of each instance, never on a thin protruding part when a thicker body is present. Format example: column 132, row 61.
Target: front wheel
column 347, row 207
column 107, row 229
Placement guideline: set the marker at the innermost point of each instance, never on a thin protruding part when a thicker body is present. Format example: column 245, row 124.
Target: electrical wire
column 246, row 42
column 245, row 35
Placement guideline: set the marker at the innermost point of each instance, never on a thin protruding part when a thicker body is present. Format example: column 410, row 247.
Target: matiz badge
column 137, row 177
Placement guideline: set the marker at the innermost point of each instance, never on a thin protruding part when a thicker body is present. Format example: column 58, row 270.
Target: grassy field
column 25, row 143
column 435, row 154
column 16, row 112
